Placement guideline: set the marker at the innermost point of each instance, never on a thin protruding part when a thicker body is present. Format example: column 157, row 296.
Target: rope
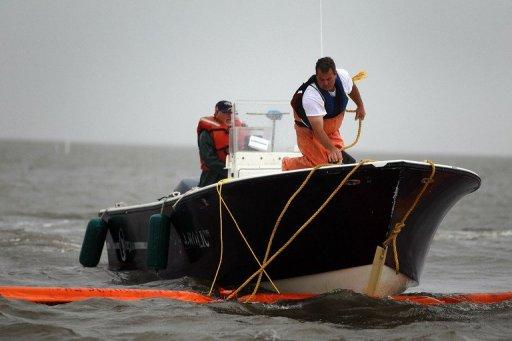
column 359, row 76
column 222, row 202
column 359, row 128
column 177, row 201
column 306, row 180
column 218, row 187
column 163, row 204
column 278, row 221
column 401, row 224
column 292, row 238
column 165, row 200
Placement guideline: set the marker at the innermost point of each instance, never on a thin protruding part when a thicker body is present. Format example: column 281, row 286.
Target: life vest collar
column 334, row 106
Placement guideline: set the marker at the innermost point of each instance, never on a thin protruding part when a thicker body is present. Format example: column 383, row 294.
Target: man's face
column 326, row 80
column 224, row 117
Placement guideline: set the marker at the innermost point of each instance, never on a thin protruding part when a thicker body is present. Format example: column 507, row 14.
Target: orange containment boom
column 55, row 295
column 274, row 298
column 52, row 295
column 478, row 298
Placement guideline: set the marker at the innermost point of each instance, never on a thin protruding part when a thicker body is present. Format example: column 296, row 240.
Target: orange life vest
column 220, row 136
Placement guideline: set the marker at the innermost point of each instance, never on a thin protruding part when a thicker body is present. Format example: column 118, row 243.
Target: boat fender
column 92, row 245
column 158, row 241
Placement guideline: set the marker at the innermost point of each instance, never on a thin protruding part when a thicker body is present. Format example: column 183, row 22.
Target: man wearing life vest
column 319, row 106
column 213, row 142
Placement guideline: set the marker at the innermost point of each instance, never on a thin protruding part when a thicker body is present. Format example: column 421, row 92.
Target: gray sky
column 440, row 72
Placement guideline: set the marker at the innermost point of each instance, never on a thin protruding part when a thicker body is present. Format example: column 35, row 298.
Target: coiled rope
column 359, row 76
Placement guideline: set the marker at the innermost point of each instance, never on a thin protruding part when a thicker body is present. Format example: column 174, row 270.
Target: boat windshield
column 262, row 126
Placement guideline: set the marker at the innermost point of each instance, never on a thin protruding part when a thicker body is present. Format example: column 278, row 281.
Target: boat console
column 263, row 135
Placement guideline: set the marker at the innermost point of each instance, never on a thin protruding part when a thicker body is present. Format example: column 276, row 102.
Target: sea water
column 49, row 191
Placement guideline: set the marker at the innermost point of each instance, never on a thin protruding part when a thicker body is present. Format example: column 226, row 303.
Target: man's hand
column 360, row 113
column 335, row 156
column 317, row 124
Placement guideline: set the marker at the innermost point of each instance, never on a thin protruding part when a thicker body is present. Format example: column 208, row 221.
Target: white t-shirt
column 313, row 102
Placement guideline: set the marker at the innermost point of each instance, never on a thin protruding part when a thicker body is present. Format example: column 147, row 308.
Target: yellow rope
column 247, row 243
column 359, row 128
column 218, row 187
column 292, row 238
column 401, row 224
column 278, row 221
column 360, row 76
column 283, row 211
column 287, row 205
column 222, row 202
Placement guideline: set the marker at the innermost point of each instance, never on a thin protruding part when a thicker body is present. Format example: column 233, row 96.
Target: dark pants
column 211, row 177
column 347, row 158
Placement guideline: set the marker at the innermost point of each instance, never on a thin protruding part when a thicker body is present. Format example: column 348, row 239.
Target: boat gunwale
column 375, row 164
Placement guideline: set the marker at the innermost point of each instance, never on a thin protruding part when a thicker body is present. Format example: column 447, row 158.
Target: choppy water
column 47, row 196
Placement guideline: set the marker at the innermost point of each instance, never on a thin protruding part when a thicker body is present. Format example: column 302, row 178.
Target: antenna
column 321, row 31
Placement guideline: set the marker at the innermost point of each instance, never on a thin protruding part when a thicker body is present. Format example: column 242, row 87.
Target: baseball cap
column 224, row 106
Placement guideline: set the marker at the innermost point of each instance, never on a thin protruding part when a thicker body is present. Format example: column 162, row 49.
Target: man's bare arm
column 317, row 123
column 356, row 97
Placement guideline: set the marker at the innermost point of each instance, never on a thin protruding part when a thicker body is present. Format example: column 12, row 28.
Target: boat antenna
column 321, row 31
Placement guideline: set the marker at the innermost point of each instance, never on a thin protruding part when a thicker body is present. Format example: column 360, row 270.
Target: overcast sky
column 439, row 72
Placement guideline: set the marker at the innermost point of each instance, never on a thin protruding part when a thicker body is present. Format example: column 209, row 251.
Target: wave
column 360, row 311
column 15, row 237
column 473, row 234
column 51, row 215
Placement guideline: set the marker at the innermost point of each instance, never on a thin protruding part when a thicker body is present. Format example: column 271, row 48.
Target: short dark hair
column 224, row 106
column 325, row 64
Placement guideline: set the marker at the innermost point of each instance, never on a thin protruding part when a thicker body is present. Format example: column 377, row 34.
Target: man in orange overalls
column 319, row 106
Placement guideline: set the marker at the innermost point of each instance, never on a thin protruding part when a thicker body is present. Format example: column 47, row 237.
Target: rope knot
column 398, row 228
column 394, row 233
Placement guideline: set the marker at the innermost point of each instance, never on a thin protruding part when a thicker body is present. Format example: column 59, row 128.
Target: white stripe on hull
column 355, row 279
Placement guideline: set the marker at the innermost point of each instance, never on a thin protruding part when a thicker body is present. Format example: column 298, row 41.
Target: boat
column 302, row 231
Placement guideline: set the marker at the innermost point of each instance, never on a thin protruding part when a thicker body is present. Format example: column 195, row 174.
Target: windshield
column 262, row 126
